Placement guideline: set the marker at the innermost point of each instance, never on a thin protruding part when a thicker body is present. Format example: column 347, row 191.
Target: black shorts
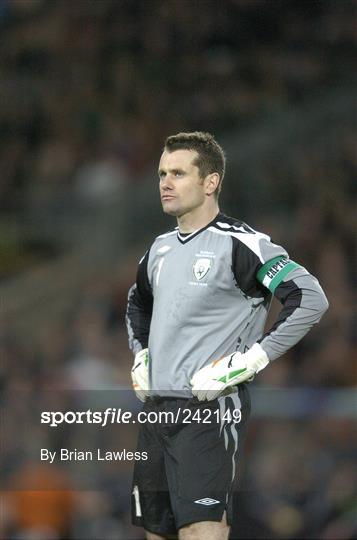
column 192, row 460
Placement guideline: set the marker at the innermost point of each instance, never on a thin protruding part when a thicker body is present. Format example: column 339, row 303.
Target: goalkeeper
column 195, row 320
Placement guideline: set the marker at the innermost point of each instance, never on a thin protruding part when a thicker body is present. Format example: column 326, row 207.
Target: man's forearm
column 304, row 303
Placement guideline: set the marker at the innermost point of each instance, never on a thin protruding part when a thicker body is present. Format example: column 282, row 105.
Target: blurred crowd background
column 89, row 90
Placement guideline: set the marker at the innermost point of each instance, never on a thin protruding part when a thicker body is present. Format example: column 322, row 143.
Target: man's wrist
column 256, row 358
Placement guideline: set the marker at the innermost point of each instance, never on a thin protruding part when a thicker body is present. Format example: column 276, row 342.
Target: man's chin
column 170, row 210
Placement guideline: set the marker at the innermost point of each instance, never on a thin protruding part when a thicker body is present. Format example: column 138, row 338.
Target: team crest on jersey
column 201, row 268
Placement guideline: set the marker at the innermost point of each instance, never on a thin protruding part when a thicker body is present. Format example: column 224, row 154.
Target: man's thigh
column 209, row 530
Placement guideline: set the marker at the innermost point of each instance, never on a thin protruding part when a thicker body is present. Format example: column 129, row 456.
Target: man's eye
column 178, row 173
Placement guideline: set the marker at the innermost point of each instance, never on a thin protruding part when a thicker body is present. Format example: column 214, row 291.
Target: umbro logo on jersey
column 201, row 268
column 207, row 501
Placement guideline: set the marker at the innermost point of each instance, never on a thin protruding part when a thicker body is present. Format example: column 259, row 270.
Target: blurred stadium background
column 88, row 91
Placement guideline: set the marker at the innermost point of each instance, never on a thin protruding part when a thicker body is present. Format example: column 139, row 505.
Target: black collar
column 186, row 237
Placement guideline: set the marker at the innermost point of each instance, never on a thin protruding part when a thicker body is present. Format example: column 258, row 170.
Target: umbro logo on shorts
column 207, row 501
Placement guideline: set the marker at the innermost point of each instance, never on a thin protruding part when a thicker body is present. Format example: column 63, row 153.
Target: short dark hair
column 210, row 159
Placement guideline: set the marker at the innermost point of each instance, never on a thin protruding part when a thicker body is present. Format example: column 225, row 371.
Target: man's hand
column 234, row 369
column 140, row 374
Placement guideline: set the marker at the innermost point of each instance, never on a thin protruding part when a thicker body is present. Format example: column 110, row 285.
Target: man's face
column 181, row 187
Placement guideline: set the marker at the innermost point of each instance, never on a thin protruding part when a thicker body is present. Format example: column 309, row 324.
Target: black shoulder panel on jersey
column 245, row 265
column 233, row 222
column 143, row 284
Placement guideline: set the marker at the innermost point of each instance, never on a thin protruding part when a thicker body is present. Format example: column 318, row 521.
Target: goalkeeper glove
column 236, row 368
column 140, row 374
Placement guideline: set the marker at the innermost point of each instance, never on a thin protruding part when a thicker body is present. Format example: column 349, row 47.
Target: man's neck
column 193, row 221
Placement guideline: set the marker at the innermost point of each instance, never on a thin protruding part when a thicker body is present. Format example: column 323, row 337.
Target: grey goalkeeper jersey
column 202, row 296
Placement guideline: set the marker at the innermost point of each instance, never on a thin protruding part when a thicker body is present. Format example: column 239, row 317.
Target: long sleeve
column 304, row 303
column 261, row 269
column 139, row 308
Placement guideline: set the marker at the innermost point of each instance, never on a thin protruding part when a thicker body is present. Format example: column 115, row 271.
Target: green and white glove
column 140, row 374
column 210, row 381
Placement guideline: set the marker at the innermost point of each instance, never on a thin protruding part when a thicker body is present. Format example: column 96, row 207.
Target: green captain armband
column 272, row 273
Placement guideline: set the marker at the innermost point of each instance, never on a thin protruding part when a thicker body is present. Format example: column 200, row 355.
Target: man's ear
column 211, row 183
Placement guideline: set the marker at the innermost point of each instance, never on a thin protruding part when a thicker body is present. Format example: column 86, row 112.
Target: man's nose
column 166, row 183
